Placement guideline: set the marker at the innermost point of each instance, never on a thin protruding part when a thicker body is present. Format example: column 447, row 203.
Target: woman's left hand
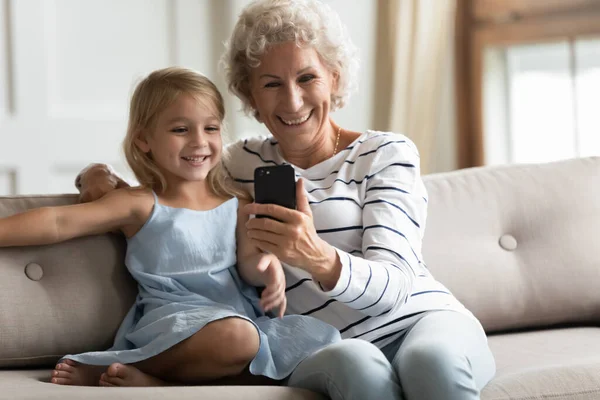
column 292, row 237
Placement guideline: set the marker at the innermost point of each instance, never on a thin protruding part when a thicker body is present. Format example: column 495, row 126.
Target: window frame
column 483, row 23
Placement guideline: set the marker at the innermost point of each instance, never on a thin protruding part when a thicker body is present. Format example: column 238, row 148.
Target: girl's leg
column 222, row 348
column 352, row 369
column 444, row 356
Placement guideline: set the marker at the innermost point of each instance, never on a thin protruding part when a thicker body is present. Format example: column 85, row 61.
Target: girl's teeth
column 296, row 121
column 194, row 159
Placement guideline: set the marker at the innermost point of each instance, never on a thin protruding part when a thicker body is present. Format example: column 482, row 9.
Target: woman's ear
column 254, row 110
column 141, row 142
column 335, row 84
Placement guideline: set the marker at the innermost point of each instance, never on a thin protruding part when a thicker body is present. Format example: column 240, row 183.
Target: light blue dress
column 184, row 263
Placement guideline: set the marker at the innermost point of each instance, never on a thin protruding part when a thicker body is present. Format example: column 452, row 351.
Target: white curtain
column 414, row 57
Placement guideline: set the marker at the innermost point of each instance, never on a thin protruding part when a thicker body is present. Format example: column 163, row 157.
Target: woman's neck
column 306, row 155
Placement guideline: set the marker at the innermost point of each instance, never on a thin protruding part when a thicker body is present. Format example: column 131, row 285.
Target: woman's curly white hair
column 264, row 23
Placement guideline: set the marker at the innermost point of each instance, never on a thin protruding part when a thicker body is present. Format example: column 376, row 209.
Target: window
column 541, row 102
column 528, row 80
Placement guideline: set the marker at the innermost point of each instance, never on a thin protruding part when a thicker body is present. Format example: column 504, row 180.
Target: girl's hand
column 273, row 296
column 293, row 238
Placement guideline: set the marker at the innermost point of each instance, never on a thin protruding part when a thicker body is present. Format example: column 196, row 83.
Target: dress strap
column 155, row 198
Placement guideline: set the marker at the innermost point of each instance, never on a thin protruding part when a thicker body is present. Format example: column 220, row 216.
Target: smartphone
column 275, row 185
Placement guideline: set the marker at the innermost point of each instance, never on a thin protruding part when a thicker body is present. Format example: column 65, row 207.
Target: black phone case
column 275, row 185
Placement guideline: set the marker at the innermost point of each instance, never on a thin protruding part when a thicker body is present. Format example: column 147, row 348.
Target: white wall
column 68, row 67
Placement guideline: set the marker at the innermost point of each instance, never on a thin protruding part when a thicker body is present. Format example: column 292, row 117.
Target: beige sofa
column 519, row 245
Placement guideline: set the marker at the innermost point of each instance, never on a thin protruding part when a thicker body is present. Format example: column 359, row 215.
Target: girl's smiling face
column 185, row 142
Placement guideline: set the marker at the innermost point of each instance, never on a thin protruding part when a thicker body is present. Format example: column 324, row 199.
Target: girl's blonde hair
column 151, row 97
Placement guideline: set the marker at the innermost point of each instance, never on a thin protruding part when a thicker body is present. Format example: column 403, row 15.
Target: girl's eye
column 272, row 84
column 306, row 78
column 179, row 130
column 212, row 129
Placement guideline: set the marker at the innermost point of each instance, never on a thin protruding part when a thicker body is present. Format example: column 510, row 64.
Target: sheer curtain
column 414, row 56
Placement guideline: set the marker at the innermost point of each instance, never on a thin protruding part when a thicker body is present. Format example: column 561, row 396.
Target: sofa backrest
column 516, row 244
column 60, row 299
column 519, row 245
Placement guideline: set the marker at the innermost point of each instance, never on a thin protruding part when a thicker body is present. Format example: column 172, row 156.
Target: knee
column 350, row 355
column 238, row 342
column 429, row 361
column 349, row 369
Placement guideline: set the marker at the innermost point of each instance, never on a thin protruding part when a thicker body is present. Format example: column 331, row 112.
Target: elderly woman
column 352, row 248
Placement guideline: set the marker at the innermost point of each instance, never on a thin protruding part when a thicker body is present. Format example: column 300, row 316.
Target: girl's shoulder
column 133, row 195
column 137, row 201
column 241, row 203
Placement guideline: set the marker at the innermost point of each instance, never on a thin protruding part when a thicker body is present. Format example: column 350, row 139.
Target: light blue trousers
column 443, row 356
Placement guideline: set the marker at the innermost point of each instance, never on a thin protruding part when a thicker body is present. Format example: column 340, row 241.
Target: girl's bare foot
column 127, row 375
column 69, row 372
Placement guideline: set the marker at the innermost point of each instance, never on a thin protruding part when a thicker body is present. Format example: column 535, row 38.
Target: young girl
column 181, row 226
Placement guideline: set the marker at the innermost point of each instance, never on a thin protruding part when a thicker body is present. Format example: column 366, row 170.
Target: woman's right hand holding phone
column 273, row 295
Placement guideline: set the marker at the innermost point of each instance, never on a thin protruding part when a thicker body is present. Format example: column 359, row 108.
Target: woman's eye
column 306, row 78
column 272, row 84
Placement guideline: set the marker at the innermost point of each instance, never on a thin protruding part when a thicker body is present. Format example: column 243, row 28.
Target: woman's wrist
column 329, row 271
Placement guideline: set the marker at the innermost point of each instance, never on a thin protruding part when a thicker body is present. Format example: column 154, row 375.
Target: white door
column 68, row 67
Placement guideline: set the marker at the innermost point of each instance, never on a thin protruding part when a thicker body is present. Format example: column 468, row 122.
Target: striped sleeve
column 394, row 214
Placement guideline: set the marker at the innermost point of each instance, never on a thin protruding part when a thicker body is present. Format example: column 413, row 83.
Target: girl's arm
column 47, row 225
column 260, row 269
column 248, row 255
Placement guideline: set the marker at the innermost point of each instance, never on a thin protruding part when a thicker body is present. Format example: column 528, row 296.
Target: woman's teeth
column 297, row 121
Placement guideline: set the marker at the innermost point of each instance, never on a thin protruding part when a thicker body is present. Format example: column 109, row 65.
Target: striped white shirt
column 369, row 202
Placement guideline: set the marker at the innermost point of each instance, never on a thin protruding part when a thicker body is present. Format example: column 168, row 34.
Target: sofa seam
column 549, row 396
column 28, row 358
column 39, row 196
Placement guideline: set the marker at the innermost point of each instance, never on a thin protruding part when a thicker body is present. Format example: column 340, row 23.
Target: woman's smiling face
column 291, row 91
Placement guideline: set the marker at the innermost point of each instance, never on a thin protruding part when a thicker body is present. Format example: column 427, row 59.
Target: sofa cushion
column 518, row 244
column 556, row 364
column 60, row 299
column 33, row 385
